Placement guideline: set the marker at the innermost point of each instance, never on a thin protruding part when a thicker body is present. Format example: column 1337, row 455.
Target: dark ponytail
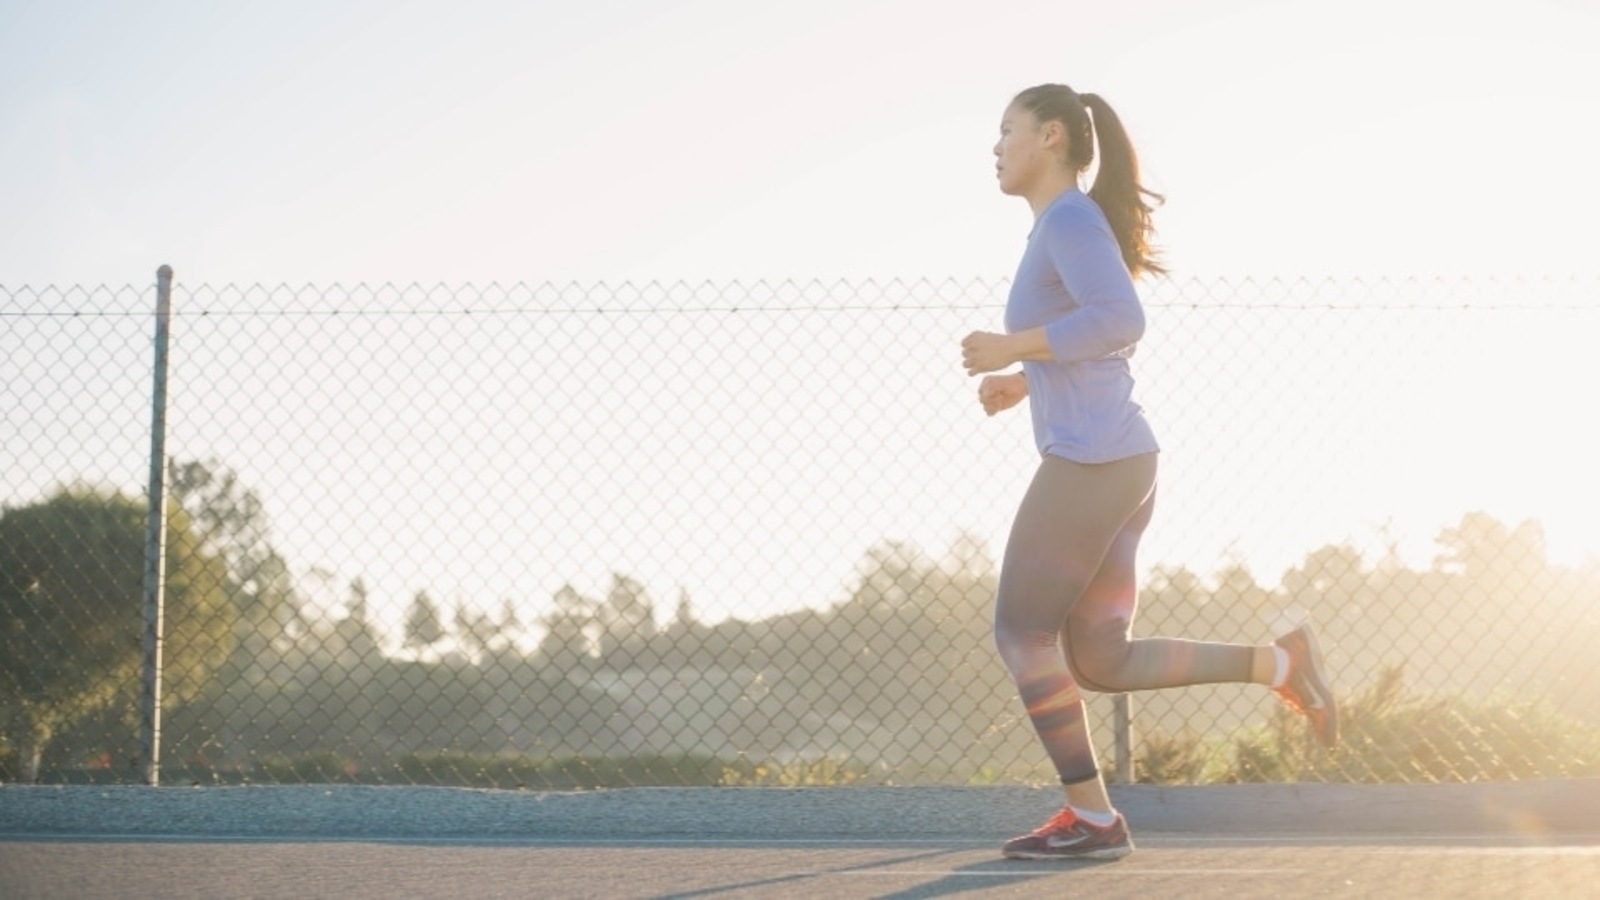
column 1116, row 189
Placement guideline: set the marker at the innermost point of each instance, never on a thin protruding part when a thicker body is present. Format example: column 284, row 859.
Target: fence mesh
column 567, row 536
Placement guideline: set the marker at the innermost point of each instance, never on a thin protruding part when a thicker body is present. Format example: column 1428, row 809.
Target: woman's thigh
column 1069, row 518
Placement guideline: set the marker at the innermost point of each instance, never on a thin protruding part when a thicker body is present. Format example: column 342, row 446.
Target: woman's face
column 1025, row 150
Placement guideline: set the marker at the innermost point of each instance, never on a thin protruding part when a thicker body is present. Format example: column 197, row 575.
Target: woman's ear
column 1053, row 135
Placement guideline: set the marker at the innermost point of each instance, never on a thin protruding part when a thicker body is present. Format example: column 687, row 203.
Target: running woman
column 1067, row 594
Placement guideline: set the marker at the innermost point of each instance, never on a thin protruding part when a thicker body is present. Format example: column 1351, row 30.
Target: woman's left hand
column 983, row 351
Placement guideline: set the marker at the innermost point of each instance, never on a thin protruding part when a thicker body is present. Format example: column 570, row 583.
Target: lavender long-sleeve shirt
column 1072, row 281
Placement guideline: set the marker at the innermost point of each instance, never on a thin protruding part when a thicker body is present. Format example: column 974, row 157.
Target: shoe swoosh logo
column 1056, row 843
column 1310, row 695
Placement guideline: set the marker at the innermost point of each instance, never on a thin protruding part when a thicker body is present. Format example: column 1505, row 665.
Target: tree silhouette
column 477, row 630
column 71, row 588
column 627, row 621
column 356, row 641
column 232, row 523
column 424, row 624
column 568, row 630
column 1481, row 546
column 509, row 629
column 1334, row 568
column 683, row 620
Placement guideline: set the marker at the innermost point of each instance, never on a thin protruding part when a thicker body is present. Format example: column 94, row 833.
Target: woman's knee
column 1099, row 652
column 1086, row 681
column 1021, row 647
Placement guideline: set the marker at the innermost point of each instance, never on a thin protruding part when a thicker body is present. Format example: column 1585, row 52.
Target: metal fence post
column 155, row 556
column 1122, row 724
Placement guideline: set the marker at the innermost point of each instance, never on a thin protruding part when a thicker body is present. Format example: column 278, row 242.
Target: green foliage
column 827, row 771
column 230, row 522
column 71, row 601
column 67, row 567
column 424, row 622
column 570, row 772
column 1391, row 736
column 1259, row 756
column 1171, row 759
column 897, row 683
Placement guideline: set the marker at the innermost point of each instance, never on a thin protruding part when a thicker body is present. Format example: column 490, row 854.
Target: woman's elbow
column 1130, row 326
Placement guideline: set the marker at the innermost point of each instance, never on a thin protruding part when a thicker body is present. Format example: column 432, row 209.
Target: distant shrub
column 1172, row 759
column 826, row 771
column 1390, row 736
column 1387, row 736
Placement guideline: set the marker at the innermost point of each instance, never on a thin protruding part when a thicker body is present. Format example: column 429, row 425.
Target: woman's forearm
column 1031, row 346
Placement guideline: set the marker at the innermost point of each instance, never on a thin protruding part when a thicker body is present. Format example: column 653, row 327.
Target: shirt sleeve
column 1088, row 261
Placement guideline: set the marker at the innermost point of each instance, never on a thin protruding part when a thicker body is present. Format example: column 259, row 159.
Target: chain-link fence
column 745, row 533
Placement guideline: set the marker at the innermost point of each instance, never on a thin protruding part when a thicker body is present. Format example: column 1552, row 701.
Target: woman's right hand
column 1001, row 392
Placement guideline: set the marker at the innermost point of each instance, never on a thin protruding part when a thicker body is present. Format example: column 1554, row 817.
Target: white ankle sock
column 1097, row 819
column 1280, row 671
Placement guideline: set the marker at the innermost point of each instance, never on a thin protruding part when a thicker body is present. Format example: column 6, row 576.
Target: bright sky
column 621, row 140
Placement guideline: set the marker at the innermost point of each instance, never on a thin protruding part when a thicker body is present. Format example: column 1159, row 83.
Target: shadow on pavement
column 838, row 870
column 993, row 873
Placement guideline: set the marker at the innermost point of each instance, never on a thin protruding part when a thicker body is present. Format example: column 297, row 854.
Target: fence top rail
column 787, row 296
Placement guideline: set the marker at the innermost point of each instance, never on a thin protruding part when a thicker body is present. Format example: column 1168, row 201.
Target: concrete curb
column 1568, row 806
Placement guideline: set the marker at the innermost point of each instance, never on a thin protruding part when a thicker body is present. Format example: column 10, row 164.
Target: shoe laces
column 1061, row 821
column 1291, row 697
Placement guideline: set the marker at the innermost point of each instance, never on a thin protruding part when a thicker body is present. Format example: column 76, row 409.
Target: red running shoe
column 1066, row 836
column 1306, row 689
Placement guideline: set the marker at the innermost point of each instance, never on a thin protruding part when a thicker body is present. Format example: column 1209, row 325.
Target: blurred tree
column 424, row 624
column 627, row 620
column 510, row 628
column 683, row 620
column 1332, row 569
column 354, row 637
column 1481, row 546
column 568, row 629
column 895, row 574
column 231, row 523
column 477, row 630
column 1178, row 583
column 964, row 586
column 71, row 589
column 968, row 555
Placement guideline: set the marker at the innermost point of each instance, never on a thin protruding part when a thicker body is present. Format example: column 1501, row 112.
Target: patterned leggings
column 1066, row 603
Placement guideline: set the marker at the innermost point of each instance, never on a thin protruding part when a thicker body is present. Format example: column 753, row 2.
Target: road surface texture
column 1527, row 839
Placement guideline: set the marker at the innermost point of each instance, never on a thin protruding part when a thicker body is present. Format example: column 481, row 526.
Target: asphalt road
column 1538, row 839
